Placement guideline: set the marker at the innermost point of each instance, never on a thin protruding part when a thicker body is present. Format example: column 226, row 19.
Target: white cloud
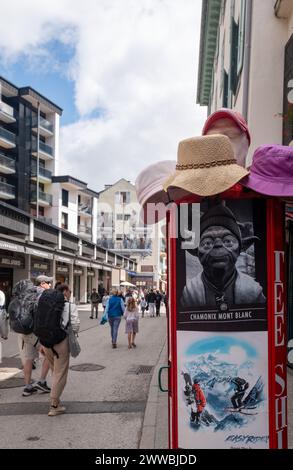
column 136, row 60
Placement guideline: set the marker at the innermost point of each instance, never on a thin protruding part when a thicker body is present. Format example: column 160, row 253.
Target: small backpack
column 48, row 318
column 22, row 307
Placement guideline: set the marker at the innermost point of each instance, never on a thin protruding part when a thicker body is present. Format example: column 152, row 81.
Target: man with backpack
column 21, row 312
column 53, row 316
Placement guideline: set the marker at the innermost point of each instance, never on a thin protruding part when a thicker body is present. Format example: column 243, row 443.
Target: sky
column 123, row 71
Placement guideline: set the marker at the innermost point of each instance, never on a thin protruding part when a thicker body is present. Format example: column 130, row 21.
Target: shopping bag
column 104, row 318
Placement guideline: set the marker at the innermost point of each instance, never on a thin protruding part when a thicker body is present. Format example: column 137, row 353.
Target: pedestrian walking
column 114, row 309
column 143, row 306
column 158, row 303
column 94, row 298
column 151, row 299
column 131, row 316
column 58, row 354
column 21, row 316
column 104, row 300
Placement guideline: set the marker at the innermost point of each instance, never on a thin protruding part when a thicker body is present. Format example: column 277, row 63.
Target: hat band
column 195, row 166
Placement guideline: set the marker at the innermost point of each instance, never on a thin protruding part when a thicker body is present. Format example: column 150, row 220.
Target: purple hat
column 271, row 171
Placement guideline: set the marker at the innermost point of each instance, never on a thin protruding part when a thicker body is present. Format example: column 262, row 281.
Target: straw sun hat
column 205, row 166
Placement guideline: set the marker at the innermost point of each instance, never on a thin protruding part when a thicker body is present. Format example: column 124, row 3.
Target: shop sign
column 63, row 259
column 12, row 262
column 11, row 246
column 38, row 253
column 40, row 266
column 62, row 269
column 106, row 269
column 96, row 266
column 78, row 271
column 81, row 263
column 90, row 273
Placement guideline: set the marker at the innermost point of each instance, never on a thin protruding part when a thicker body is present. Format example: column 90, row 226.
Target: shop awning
column 38, row 253
column 10, row 246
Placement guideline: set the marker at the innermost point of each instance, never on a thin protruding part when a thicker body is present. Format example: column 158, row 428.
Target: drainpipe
column 247, row 55
column 38, row 158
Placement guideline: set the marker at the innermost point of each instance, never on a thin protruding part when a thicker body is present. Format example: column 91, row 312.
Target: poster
column 222, row 339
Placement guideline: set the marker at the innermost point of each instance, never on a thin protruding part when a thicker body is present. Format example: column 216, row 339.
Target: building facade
column 120, row 228
column 250, row 69
column 48, row 223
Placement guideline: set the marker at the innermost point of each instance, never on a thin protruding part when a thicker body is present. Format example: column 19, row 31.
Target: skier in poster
column 240, row 387
column 200, row 402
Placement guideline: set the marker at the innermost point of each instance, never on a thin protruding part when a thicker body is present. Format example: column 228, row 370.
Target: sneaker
column 28, row 390
column 114, row 345
column 56, row 410
column 42, row 386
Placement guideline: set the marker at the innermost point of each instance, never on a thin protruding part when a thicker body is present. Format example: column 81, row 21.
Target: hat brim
column 268, row 186
column 206, row 182
column 225, row 114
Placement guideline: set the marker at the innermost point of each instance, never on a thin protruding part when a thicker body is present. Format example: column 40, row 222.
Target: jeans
column 95, row 307
column 114, row 324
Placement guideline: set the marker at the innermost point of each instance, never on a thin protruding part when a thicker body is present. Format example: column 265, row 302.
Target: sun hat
column 149, row 190
column 205, row 166
column 226, row 113
column 271, row 171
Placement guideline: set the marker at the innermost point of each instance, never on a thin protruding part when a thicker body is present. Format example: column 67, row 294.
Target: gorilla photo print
column 221, row 267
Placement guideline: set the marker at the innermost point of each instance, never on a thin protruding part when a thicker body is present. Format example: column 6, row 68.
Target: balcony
column 45, row 176
column 84, row 231
column 45, row 151
column 7, row 191
column 45, row 200
column 7, row 139
column 6, row 113
column 7, row 165
column 46, row 127
column 84, row 210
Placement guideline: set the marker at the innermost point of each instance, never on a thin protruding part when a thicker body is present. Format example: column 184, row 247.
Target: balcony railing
column 84, row 229
column 42, row 197
column 7, row 162
column 47, row 220
column 84, row 209
column 7, row 135
column 42, row 172
column 45, row 148
column 46, row 125
column 7, row 189
column 8, row 110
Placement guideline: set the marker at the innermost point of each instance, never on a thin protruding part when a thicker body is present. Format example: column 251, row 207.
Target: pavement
column 108, row 408
column 118, row 406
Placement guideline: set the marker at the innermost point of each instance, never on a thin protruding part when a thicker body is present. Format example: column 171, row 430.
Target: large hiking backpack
column 22, row 307
column 48, row 318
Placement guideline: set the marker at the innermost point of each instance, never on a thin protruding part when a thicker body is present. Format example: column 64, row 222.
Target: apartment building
column 48, row 223
column 29, row 134
column 120, row 229
column 246, row 63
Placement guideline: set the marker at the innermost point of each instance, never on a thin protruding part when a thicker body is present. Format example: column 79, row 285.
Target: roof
column 110, row 186
column 208, row 42
column 69, row 180
column 32, row 95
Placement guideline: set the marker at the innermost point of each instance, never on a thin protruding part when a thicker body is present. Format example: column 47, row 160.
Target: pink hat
column 226, row 113
column 149, row 187
column 271, row 171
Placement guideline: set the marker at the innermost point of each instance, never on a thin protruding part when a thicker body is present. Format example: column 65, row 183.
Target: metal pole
column 38, row 157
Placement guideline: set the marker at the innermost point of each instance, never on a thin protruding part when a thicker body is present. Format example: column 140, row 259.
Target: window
column 225, row 89
column 241, row 34
column 122, row 197
column 64, row 220
column 234, row 56
column 64, row 198
column 120, row 216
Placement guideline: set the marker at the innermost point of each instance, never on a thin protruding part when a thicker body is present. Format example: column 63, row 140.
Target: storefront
column 90, row 280
column 77, row 273
column 12, row 266
column 62, row 272
column 40, row 262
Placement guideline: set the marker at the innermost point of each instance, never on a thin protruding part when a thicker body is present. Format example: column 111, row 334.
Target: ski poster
column 221, row 322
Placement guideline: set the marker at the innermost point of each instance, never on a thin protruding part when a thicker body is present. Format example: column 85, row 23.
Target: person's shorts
column 28, row 346
column 131, row 326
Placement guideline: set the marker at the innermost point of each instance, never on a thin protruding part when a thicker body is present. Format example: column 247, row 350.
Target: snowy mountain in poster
column 215, row 372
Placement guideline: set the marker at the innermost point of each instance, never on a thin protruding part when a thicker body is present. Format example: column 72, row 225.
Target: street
column 105, row 408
